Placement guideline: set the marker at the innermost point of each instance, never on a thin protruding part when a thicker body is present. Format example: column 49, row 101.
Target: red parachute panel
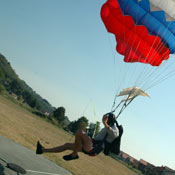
column 134, row 42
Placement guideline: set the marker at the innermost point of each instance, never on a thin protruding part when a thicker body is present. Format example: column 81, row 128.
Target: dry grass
column 25, row 128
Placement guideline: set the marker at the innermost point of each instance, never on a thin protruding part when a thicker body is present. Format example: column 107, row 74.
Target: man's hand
column 105, row 121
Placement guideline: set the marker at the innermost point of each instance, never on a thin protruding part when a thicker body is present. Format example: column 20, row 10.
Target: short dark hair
column 111, row 119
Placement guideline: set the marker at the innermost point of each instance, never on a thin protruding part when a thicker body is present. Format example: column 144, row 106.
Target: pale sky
column 63, row 51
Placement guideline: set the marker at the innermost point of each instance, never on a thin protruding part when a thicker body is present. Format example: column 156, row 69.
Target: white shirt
column 113, row 132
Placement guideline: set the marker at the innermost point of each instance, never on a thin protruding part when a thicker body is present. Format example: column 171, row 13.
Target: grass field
column 23, row 127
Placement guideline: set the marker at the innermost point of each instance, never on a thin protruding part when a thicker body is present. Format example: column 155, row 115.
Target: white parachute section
column 129, row 95
column 167, row 5
column 132, row 92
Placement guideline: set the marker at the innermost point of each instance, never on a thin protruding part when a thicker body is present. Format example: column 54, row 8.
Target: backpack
column 114, row 147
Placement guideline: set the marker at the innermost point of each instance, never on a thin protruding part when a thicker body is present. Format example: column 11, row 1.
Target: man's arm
column 105, row 122
column 112, row 131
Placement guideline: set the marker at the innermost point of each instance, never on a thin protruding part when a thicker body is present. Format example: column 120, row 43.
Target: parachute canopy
column 144, row 32
column 134, row 42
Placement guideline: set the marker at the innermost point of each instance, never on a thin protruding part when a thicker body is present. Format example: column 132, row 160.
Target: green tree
column 33, row 103
column 30, row 99
column 59, row 114
column 81, row 123
column 72, row 126
column 93, row 129
column 1, row 88
column 16, row 87
column 1, row 75
column 97, row 128
column 26, row 95
column 1, row 78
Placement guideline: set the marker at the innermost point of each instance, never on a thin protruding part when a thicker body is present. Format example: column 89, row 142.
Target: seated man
column 83, row 143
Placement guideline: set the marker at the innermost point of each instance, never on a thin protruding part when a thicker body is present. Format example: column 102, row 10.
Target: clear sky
column 63, row 51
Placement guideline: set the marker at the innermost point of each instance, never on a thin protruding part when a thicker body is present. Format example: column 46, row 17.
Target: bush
column 39, row 114
column 1, row 88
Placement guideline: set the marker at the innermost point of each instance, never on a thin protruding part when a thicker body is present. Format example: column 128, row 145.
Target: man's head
column 111, row 119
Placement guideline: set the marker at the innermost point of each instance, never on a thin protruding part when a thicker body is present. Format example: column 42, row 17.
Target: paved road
column 11, row 152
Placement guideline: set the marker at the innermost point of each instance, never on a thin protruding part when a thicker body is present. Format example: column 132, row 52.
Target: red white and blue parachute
column 142, row 35
column 144, row 32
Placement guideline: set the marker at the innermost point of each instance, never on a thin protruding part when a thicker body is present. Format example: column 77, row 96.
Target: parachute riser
column 131, row 94
column 124, row 106
column 120, row 102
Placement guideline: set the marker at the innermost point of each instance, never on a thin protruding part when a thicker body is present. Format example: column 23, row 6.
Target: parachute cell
column 134, row 42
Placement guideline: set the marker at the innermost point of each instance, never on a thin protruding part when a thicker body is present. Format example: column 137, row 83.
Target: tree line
column 11, row 83
column 81, row 123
